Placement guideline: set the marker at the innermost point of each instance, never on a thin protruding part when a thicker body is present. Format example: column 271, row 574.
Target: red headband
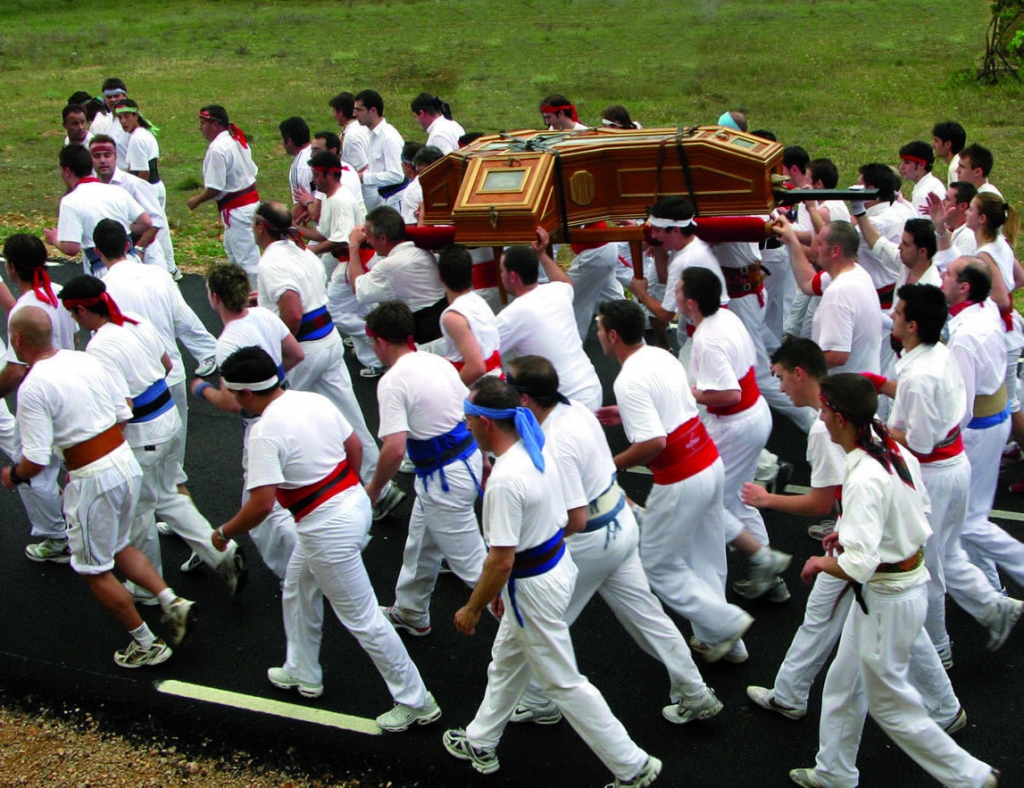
column 103, row 298
column 236, row 133
column 327, row 169
column 915, row 159
column 43, row 287
column 105, row 145
column 548, row 109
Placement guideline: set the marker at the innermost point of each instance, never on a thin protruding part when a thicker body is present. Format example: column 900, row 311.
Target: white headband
column 656, row 221
column 262, row 385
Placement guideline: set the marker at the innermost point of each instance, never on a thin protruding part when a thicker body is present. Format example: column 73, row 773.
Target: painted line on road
column 277, row 708
column 998, row 514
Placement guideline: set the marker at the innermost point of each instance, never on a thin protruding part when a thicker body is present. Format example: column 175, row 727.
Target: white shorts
column 99, row 504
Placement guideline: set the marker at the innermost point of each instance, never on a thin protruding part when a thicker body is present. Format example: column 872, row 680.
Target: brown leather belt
column 906, row 565
column 81, row 454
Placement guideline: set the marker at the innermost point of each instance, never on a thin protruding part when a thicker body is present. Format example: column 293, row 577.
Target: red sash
column 885, row 295
column 485, row 275
column 491, row 364
column 302, row 500
column 749, row 393
column 950, row 446
column 239, row 199
column 688, row 451
column 1007, row 317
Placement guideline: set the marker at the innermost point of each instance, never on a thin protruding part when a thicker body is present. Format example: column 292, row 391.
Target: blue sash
column 984, row 422
column 608, row 519
column 315, row 325
column 432, row 454
column 151, row 403
column 527, row 565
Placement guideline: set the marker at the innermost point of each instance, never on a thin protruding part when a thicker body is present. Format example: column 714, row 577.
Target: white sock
column 144, row 637
column 166, row 597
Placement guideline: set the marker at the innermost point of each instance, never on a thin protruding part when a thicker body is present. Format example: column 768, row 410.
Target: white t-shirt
column 227, row 166
column 847, row 320
column 339, row 215
column 67, row 399
column 63, row 326
column 928, row 184
column 523, row 507
column 107, row 123
column 132, row 355
column 300, row 173
column 259, row 327
column 299, row 440
column 653, row 395
column 82, row 209
column 421, row 395
column 541, row 322
column 827, row 459
column 696, row 253
column 723, row 352
column 143, row 193
column 408, row 274
column 285, row 266
column 412, row 197
column 889, row 220
column 977, row 344
column 482, row 324
column 151, row 292
column 142, row 148
column 1001, row 253
column 444, row 134
column 355, row 145
column 579, row 447
column 930, row 398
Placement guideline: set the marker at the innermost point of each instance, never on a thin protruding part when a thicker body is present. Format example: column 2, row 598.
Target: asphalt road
column 56, row 644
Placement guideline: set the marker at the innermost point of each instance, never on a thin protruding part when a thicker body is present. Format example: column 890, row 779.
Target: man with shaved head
column 71, row 403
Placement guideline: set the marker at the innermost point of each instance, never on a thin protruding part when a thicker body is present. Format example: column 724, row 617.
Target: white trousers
column 948, row 487
column 780, row 289
column 328, row 562
column 870, row 674
column 542, row 646
column 42, row 498
column 609, row 564
column 442, row 524
column 275, row 537
column 593, row 277
column 325, row 372
column 983, row 540
column 682, row 549
column 350, row 318
column 239, row 244
column 740, row 439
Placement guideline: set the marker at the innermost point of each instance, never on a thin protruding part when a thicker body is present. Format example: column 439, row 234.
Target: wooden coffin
column 497, row 190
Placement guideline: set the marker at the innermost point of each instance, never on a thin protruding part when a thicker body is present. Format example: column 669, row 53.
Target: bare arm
column 717, row 399
column 392, row 451
column 253, row 512
column 205, row 195
column 289, row 306
column 496, row 571
column 551, row 268
column 291, row 352
column 640, row 453
column 802, row 268
column 836, row 358
column 458, row 329
column 817, row 503
column 639, row 290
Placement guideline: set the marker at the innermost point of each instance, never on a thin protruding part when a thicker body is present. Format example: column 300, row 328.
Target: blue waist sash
column 315, row 325
column 984, row 422
column 432, row 454
column 151, row 403
column 387, row 191
column 535, row 561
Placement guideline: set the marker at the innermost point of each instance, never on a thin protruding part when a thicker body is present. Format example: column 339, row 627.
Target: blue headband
column 526, row 425
column 726, row 119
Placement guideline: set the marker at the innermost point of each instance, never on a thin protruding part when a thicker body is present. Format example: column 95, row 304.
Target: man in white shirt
column 75, row 124
column 400, row 272
column 540, row 320
column 70, row 403
column 948, row 139
column 472, row 341
column 954, row 238
column 975, row 165
column 435, row 118
column 412, row 195
column 916, row 160
column 559, row 114
column 355, row 145
column 527, row 582
column 295, row 141
column 86, row 203
column 847, row 325
column 882, row 556
column 229, row 178
column 382, row 176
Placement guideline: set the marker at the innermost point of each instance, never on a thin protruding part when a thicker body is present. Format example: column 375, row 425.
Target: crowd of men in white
column 882, row 328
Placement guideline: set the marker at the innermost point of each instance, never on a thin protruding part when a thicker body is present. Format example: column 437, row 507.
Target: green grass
column 851, row 80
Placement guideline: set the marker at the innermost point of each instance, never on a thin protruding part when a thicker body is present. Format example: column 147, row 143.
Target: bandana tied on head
column 549, row 109
column 236, row 133
column 43, row 287
column 726, row 119
column 103, row 298
column 885, row 451
column 913, row 159
column 664, row 224
column 526, row 425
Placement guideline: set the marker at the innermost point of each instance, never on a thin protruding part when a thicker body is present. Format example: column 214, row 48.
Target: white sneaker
column 136, row 657
column 689, row 710
column 282, row 679
column 193, row 563
column 402, row 717
column 54, row 550
column 644, row 777
column 764, row 572
column 539, row 715
column 232, row 570
column 1006, row 618
column 207, row 368
column 713, row 652
column 164, row 529
column 457, row 744
column 806, row 778
column 180, row 616
column 388, row 502
column 765, row 698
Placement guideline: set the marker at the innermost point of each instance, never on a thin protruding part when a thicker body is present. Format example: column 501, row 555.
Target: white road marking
column 277, row 708
column 997, row 514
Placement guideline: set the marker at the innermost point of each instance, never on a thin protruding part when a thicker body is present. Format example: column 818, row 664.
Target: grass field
column 851, row 80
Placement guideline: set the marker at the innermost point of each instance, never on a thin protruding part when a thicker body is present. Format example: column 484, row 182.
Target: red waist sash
column 491, row 364
column 950, row 446
column 688, row 451
column 302, row 500
column 239, row 199
column 749, row 392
